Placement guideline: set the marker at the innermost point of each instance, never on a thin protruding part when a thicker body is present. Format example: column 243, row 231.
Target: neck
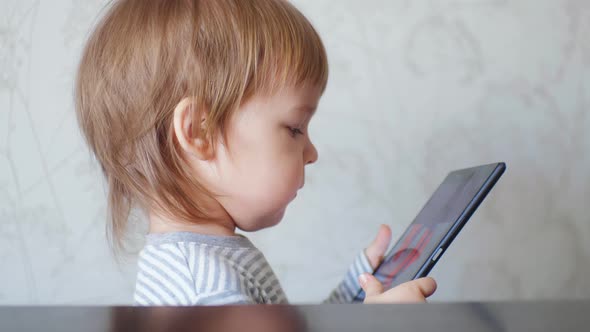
column 221, row 227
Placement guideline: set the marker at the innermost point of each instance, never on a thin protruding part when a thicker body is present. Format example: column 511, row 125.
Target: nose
column 310, row 154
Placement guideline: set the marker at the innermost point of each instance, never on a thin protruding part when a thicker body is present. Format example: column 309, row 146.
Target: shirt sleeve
column 348, row 288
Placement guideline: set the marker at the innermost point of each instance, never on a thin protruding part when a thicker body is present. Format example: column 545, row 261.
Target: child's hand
column 412, row 291
column 376, row 250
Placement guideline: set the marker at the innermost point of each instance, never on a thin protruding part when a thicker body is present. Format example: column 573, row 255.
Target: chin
column 274, row 220
column 263, row 223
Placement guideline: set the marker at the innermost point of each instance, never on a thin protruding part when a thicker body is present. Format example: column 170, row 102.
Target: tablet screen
column 432, row 224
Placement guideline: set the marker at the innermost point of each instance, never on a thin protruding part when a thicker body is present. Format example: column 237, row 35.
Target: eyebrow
column 306, row 108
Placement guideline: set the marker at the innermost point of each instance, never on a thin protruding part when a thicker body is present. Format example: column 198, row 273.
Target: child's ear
column 187, row 116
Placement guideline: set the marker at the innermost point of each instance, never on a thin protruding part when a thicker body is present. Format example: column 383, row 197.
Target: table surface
column 471, row 316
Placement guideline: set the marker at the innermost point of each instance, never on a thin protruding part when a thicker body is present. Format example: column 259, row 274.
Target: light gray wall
column 417, row 88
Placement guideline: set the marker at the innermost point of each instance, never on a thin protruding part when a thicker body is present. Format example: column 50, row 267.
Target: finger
column 376, row 250
column 370, row 285
column 420, row 288
column 426, row 285
column 414, row 291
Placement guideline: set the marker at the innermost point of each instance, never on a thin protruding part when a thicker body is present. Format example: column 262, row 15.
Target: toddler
column 197, row 111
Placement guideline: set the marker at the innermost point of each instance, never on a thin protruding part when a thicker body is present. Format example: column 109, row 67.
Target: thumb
column 370, row 285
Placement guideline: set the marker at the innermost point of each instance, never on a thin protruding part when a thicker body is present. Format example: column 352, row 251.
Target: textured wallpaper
column 417, row 88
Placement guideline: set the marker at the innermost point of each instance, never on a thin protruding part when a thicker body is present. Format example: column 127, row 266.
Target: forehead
column 284, row 101
column 306, row 97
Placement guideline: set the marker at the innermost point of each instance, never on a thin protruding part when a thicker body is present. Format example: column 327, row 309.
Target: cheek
column 265, row 170
column 276, row 173
column 261, row 187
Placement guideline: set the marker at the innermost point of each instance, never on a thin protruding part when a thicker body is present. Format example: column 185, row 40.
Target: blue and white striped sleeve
column 349, row 287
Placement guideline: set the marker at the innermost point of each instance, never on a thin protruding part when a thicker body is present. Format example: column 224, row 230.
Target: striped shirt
column 184, row 268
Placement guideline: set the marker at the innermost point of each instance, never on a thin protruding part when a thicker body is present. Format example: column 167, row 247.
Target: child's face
column 260, row 171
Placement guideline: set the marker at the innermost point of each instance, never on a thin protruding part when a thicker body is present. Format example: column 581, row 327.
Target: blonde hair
column 144, row 57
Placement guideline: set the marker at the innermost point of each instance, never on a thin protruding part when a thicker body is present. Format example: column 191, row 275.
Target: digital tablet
column 437, row 224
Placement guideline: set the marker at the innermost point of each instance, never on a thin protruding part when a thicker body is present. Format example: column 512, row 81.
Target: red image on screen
column 411, row 248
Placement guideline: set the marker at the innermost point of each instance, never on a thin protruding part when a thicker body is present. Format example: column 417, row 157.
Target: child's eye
column 295, row 131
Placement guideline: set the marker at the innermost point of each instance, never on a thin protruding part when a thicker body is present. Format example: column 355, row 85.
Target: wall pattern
column 417, row 88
